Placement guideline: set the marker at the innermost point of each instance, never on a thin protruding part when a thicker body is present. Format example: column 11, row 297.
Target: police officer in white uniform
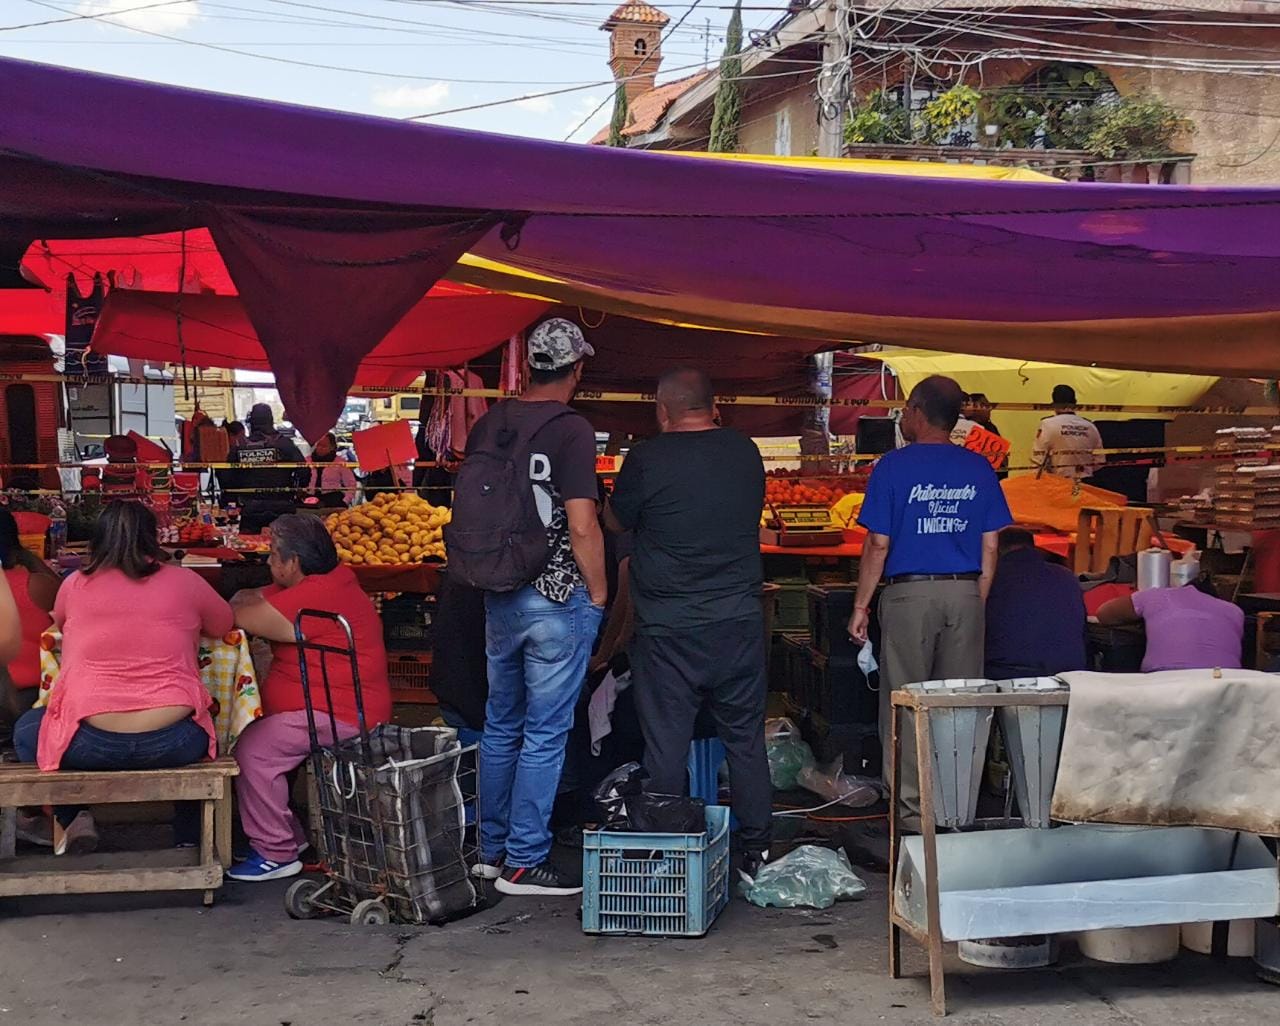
column 1065, row 442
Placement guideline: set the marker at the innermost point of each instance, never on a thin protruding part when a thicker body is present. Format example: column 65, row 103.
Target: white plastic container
column 1010, row 952
column 1198, row 937
column 1137, row 945
column 1153, row 568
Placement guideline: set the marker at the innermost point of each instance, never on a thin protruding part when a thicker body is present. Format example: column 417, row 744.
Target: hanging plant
column 946, row 113
column 878, row 119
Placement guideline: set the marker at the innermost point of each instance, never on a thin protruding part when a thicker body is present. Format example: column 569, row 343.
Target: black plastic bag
column 614, row 793
column 666, row 814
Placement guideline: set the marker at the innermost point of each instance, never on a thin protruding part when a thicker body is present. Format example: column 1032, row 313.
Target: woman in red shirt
column 34, row 588
column 129, row 694
column 307, row 575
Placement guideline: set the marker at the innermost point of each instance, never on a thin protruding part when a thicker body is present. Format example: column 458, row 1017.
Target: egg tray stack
column 1248, row 496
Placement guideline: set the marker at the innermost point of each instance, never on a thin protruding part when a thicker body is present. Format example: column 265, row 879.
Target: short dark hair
column 539, row 376
column 305, row 536
column 10, row 543
column 1013, row 538
column 686, row 389
column 1063, row 395
column 234, row 427
column 124, row 539
column 1204, row 584
column 939, row 398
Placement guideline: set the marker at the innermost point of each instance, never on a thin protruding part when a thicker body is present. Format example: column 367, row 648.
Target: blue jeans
column 537, row 652
column 181, row 744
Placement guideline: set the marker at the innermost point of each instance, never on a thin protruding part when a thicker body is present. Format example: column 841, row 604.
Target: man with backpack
column 525, row 531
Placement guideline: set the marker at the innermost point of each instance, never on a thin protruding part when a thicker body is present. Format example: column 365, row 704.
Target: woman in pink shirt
column 129, row 694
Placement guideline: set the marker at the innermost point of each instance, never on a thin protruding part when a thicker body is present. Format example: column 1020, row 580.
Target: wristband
column 862, row 609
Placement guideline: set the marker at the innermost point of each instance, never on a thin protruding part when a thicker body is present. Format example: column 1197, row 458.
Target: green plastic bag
column 788, row 755
column 808, row 877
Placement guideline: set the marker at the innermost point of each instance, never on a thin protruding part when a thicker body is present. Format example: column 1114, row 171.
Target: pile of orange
column 389, row 531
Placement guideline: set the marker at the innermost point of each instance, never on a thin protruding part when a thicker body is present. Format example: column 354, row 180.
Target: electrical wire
column 818, row 808
column 319, row 65
column 88, row 16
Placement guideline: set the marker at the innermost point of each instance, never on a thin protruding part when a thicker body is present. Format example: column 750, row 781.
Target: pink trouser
column 266, row 751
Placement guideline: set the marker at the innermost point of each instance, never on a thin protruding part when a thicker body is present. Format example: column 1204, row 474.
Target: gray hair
column 305, row 536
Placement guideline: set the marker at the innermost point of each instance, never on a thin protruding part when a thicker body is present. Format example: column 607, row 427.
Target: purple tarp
column 333, row 225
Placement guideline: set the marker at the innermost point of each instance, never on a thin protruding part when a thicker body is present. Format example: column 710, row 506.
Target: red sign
column 384, row 445
column 990, row 445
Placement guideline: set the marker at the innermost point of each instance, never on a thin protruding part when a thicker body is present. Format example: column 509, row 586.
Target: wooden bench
column 198, row 869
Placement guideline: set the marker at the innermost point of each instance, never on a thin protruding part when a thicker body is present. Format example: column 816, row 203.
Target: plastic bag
column 786, row 752
column 624, row 805
column 809, row 877
column 666, row 814
column 614, row 791
column 833, row 784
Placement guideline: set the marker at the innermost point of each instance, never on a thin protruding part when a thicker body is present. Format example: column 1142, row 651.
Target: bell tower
column 635, row 45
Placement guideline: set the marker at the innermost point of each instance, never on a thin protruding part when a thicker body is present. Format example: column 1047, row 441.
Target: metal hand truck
column 398, row 836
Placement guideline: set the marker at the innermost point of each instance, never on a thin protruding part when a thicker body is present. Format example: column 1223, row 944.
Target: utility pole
column 834, row 80
column 706, row 43
column 833, row 103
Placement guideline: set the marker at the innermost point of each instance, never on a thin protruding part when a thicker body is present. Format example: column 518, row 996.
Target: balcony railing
column 1072, row 165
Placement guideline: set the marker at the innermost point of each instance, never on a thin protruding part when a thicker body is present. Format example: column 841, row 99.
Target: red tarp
column 32, row 312
column 149, row 262
column 452, row 324
column 860, row 379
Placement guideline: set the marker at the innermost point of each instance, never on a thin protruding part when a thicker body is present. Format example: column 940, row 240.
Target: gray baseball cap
column 557, row 343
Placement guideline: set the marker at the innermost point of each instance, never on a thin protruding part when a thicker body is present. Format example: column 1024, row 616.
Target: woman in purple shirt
column 1188, row 628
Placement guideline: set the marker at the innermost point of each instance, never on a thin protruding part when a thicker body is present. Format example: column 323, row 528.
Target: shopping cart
column 397, row 808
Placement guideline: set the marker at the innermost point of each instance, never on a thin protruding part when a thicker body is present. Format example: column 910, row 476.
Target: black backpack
column 496, row 540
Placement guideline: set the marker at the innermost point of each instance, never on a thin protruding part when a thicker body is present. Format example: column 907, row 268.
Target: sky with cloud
column 427, row 59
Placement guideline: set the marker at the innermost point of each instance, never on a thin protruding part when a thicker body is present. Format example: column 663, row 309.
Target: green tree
column 728, row 107
column 619, row 120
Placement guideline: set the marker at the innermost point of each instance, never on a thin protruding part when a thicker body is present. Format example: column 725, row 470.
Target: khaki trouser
column 930, row 630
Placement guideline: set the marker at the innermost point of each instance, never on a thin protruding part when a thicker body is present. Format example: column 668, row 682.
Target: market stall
column 268, row 253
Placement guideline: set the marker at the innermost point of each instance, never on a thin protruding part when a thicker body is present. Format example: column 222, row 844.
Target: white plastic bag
column 838, row 787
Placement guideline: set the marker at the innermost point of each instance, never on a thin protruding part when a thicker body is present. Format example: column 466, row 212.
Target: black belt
column 914, row 578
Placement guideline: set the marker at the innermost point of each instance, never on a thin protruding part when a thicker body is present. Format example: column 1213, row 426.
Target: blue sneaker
column 255, row 869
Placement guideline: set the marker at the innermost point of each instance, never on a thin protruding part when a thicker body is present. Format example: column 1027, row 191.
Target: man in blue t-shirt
column 933, row 511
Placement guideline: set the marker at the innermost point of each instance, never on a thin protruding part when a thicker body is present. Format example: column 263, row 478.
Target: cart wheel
column 299, row 899
column 370, row 912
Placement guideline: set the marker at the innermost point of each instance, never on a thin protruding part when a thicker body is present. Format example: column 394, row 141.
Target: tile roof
column 647, row 110
column 636, row 12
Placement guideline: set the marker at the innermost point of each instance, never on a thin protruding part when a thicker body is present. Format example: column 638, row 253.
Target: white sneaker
column 79, row 837
column 487, row 869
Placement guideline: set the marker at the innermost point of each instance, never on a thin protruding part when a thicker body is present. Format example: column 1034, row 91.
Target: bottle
column 57, row 530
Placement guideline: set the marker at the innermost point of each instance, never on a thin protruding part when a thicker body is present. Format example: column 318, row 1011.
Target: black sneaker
column 544, row 879
column 752, row 862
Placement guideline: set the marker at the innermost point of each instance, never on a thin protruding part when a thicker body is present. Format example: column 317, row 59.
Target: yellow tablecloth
column 226, row 671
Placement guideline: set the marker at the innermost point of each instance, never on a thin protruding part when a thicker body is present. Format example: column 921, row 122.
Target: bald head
column 685, row 396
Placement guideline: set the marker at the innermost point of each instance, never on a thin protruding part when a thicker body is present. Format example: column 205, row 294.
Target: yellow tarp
column 917, row 168
column 1031, row 381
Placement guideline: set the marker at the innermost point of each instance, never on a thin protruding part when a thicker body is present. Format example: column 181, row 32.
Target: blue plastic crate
column 656, row 885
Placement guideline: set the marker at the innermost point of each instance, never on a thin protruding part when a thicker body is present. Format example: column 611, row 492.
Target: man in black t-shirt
column 692, row 497
column 539, row 637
